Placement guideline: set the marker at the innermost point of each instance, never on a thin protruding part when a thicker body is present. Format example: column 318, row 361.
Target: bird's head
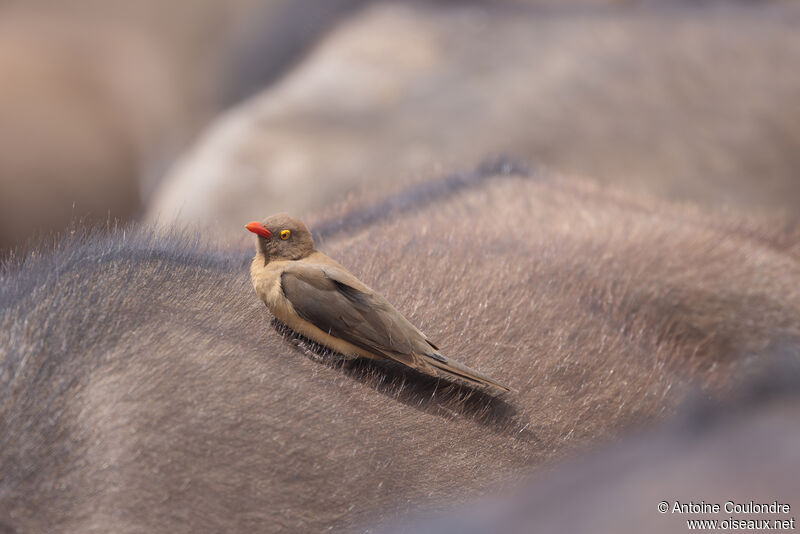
column 281, row 237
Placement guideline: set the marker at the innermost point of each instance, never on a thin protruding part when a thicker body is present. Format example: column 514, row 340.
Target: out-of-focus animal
column 98, row 98
column 688, row 101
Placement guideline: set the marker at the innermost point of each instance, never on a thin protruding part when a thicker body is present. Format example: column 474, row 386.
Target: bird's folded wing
column 322, row 296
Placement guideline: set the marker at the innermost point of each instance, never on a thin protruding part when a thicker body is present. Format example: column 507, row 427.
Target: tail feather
column 447, row 367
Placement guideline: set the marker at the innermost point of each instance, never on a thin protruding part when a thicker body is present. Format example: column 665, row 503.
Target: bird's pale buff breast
column 267, row 284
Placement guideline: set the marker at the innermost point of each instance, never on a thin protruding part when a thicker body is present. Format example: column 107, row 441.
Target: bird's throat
column 262, row 250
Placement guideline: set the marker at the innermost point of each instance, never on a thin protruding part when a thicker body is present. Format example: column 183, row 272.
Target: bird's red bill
column 259, row 228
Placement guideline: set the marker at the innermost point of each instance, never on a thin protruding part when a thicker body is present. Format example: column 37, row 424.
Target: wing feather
column 336, row 303
column 323, row 297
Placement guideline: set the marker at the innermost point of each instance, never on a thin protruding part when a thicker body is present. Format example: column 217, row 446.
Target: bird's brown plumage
column 317, row 297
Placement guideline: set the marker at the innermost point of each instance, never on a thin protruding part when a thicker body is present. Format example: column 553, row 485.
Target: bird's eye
column 285, row 234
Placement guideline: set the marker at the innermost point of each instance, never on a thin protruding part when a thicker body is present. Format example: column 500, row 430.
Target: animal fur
column 141, row 388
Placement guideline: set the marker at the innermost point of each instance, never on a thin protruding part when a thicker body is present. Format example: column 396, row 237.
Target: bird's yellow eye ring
column 285, row 234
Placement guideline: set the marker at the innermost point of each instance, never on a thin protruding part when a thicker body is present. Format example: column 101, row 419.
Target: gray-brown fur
column 743, row 448
column 142, row 388
column 682, row 100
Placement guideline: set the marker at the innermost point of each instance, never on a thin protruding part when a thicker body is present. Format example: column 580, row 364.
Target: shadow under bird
column 318, row 298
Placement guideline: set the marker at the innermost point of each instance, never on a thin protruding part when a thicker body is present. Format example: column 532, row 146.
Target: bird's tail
column 451, row 368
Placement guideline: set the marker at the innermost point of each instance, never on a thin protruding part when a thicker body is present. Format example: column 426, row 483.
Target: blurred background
column 213, row 112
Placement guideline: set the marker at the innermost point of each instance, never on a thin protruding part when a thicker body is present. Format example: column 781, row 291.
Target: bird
column 320, row 299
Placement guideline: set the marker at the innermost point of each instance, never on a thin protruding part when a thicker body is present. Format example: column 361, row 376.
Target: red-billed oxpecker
column 318, row 298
